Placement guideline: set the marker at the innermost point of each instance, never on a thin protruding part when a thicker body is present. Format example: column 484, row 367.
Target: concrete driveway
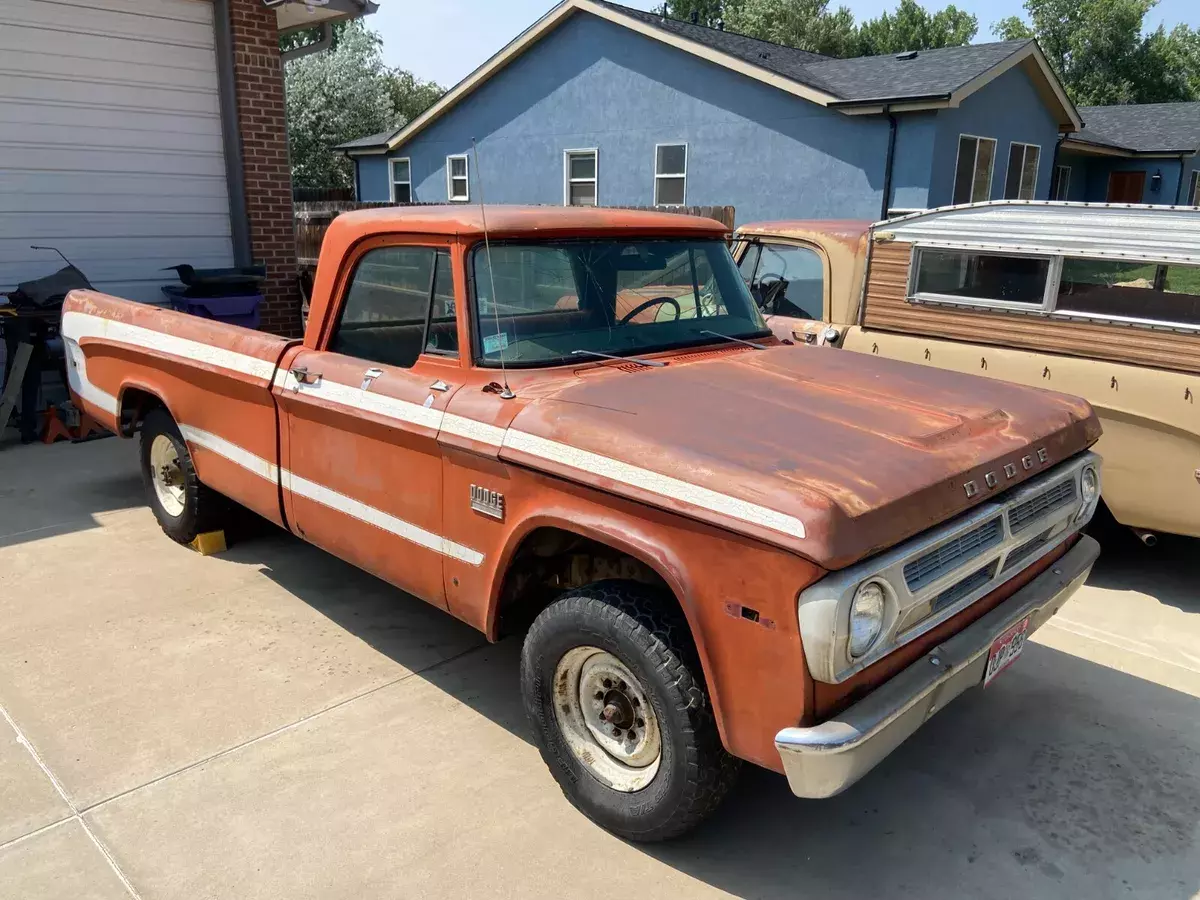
column 272, row 723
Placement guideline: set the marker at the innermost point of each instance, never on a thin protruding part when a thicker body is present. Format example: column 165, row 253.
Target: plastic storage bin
column 237, row 310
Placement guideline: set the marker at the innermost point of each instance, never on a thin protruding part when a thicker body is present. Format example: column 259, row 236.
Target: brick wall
column 258, row 81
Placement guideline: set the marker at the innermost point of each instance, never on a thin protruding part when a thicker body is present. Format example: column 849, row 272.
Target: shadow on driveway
column 1065, row 778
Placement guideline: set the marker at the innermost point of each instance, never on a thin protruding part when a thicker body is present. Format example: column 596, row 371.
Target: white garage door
column 110, row 141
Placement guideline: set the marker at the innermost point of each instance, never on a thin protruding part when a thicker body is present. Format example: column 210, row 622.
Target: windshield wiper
column 728, row 337
column 633, row 359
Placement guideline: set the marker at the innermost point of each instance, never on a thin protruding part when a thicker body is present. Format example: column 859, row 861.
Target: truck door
column 362, row 470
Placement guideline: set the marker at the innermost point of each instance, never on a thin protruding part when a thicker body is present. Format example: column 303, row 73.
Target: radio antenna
column 506, row 393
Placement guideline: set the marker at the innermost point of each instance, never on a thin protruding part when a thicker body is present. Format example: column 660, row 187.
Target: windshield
column 605, row 296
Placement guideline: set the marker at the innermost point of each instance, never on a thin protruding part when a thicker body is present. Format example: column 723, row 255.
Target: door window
column 399, row 302
column 789, row 281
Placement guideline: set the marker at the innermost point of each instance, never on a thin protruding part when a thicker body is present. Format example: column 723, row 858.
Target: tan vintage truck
column 717, row 547
column 1097, row 300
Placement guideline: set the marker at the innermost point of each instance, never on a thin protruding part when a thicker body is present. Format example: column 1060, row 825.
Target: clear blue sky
column 443, row 40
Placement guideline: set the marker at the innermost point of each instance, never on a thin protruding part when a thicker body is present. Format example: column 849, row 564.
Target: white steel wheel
column 606, row 718
column 167, row 476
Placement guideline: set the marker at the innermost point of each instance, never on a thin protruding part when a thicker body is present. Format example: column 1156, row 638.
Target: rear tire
column 183, row 505
column 614, row 692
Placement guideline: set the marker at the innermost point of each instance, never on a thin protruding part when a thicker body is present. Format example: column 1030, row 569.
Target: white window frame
column 450, row 177
column 1062, row 177
column 1193, row 198
column 393, row 181
column 974, row 166
column 594, row 180
column 1049, row 294
column 1049, row 308
column 1021, row 172
column 683, row 174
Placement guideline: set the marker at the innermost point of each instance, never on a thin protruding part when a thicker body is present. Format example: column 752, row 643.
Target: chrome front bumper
column 826, row 759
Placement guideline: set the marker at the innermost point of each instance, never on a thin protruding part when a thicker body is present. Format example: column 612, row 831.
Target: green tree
column 410, row 95
column 333, row 96
column 343, row 93
column 911, row 27
column 812, row 25
column 707, row 12
column 1101, row 55
column 803, row 24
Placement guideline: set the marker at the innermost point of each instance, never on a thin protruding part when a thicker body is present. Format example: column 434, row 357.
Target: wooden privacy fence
column 313, row 218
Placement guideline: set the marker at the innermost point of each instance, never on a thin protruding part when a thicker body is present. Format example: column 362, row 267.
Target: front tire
column 183, row 505
column 620, row 712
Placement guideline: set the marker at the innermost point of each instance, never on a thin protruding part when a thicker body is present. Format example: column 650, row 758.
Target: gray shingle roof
column 371, row 140
column 929, row 73
column 1143, row 128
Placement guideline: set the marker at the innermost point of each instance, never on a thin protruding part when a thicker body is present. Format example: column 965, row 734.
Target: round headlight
column 866, row 617
column 1089, row 484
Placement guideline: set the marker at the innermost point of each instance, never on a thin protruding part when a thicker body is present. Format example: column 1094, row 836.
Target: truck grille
column 929, row 567
column 955, row 593
column 1029, row 511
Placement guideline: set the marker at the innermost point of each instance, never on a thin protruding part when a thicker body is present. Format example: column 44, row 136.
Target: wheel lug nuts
column 621, row 685
column 637, row 702
column 616, row 732
column 599, row 695
column 608, row 682
column 640, row 723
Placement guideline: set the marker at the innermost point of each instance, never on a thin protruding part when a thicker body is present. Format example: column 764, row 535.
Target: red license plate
column 1005, row 650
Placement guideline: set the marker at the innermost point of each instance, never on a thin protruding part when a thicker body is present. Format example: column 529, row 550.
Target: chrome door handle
column 303, row 376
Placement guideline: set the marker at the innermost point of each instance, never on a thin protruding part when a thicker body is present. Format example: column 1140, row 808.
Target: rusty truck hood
column 857, row 452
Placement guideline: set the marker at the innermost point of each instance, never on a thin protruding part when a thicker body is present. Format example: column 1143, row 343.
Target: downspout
column 1054, row 164
column 1179, row 184
column 239, row 223
column 887, row 167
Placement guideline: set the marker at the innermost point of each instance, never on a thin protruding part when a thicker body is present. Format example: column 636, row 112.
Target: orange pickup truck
column 574, row 424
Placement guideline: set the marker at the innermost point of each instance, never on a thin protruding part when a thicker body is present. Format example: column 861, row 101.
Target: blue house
column 1132, row 154
column 597, row 103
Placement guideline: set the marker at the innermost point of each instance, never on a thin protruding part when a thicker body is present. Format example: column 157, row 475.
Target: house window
column 973, row 171
column 579, row 178
column 1193, row 197
column 1021, row 180
column 457, row 182
column 401, row 181
column 1061, row 188
column 670, row 174
column 981, row 279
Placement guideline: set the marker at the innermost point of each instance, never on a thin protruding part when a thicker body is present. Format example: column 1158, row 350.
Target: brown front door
column 1126, row 187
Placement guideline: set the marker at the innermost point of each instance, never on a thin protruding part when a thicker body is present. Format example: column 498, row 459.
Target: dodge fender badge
column 490, row 503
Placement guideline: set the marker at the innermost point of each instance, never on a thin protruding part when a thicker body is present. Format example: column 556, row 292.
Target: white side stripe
column 476, row 431
column 367, row 401
column 330, row 498
column 82, row 325
column 77, row 377
column 232, row 452
column 351, row 507
column 654, row 482
column 77, row 325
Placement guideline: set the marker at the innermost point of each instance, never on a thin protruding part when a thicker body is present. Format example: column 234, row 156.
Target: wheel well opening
column 135, row 404
column 551, row 561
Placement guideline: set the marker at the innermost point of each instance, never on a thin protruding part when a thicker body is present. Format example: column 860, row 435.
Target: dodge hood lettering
column 825, row 454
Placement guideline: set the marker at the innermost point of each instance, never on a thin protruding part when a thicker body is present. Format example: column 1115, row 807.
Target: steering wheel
column 771, row 289
column 653, row 301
